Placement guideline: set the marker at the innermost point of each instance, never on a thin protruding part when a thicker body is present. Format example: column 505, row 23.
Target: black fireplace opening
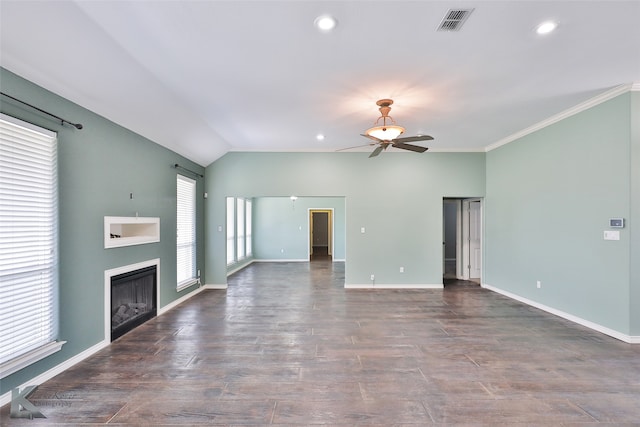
column 133, row 300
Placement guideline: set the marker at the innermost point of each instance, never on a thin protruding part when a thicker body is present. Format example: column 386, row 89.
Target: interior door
column 475, row 240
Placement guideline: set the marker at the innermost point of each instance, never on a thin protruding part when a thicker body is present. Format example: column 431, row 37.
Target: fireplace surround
column 131, row 297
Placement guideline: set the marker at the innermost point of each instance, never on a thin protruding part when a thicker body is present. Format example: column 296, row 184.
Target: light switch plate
column 611, row 235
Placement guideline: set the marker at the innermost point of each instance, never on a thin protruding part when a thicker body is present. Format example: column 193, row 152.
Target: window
column 28, row 244
column 240, row 229
column 239, row 238
column 231, row 236
column 186, row 232
column 249, row 244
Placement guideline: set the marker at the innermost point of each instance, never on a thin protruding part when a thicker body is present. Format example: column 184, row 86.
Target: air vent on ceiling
column 454, row 19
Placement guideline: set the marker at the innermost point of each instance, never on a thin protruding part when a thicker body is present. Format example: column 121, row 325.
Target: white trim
column 331, row 221
column 598, row 99
column 27, row 125
column 56, row 370
column 216, row 286
column 355, row 150
column 457, row 150
column 107, row 289
column 181, row 287
column 132, row 231
column 17, row 363
column 635, row 87
column 179, row 301
column 393, row 286
column 281, row 260
column 575, row 319
column 239, row 265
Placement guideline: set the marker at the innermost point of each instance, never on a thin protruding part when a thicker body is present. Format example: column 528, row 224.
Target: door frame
column 330, row 230
column 466, row 233
column 458, row 205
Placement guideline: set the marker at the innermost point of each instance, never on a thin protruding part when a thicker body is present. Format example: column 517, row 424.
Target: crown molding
column 599, row 99
column 635, row 87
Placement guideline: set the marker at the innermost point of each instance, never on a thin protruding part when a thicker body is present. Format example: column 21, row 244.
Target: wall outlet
column 373, row 277
column 401, row 269
column 281, row 251
column 538, row 284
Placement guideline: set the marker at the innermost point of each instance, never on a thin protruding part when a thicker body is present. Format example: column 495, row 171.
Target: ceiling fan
column 389, row 134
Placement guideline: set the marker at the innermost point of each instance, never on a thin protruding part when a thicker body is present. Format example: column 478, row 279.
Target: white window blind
column 28, row 244
column 186, row 231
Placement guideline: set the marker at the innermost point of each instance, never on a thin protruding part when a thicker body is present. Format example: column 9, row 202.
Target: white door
column 475, row 240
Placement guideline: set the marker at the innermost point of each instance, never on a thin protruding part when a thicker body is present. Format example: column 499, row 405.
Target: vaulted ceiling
column 205, row 77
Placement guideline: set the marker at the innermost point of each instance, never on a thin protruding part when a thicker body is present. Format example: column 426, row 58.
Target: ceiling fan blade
column 413, row 138
column 357, row 146
column 371, row 137
column 377, row 151
column 410, row 147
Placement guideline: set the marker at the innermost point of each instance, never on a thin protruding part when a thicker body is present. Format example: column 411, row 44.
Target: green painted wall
column 549, row 198
column 634, row 217
column 397, row 197
column 98, row 167
column 281, row 227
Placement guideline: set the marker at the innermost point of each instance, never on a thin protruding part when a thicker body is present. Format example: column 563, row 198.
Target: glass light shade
column 385, row 133
column 325, row 23
column 546, row 27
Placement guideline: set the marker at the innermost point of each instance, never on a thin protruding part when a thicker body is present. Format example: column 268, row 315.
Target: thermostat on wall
column 616, row 222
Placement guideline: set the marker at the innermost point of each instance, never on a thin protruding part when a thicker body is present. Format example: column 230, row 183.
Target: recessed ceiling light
column 320, row 137
column 546, row 27
column 325, row 23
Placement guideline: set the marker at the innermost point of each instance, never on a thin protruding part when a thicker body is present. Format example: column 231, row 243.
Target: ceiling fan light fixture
column 385, row 133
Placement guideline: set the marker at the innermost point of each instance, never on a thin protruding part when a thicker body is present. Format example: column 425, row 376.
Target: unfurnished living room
column 340, row 213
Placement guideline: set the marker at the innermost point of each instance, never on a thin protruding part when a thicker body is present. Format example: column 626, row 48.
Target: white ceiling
column 204, row 77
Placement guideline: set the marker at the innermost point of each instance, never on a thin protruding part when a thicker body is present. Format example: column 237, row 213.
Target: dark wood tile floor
column 287, row 345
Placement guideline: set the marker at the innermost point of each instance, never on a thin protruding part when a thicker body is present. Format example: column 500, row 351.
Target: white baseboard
column 393, row 286
column 282, row 260
column 216, row 286
column 180, row 300
column 575, row 319
column 239, row 266
column 58, row 369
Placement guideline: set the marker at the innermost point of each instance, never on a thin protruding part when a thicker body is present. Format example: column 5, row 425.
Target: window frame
column 30, row 193
column 186, row 232
column 239, row 233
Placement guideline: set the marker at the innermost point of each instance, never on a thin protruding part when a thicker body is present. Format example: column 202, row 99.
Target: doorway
column 320, row 234
column 462, row 239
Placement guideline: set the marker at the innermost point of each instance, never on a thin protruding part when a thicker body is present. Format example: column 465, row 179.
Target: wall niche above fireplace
column 128, row 231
